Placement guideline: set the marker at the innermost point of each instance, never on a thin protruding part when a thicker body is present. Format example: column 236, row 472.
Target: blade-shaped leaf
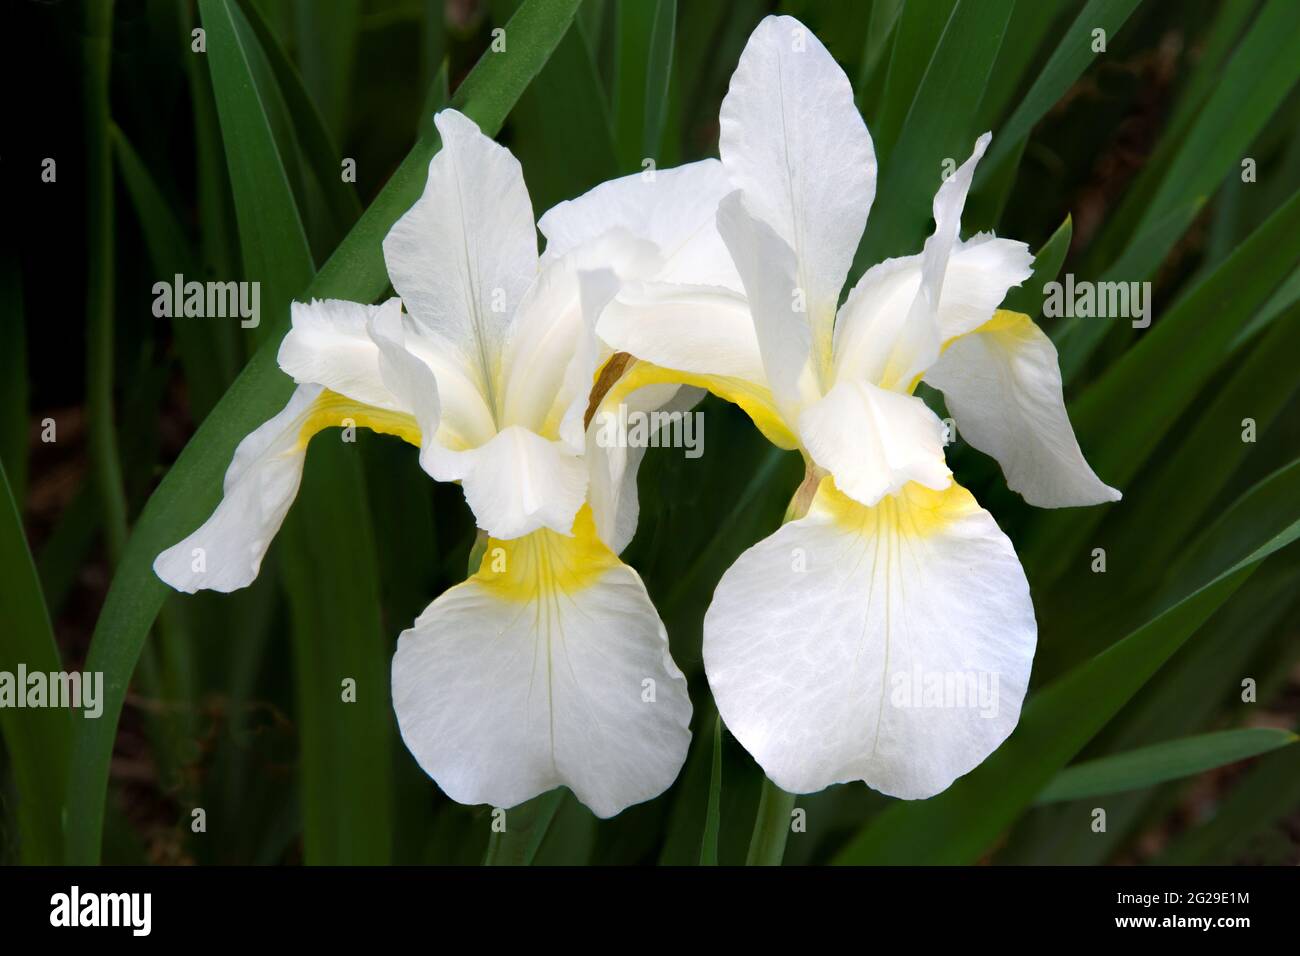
column 940, row 127
column 1225, row 108
column 1263, row 70
column 347, row 741
column 171, row 254
column 644, row 58
column 1159, row 763
column 1268, row 793
column 38, row 739
column 318, row 145
column 659, row 68
column 1078, row 338
column 1194, row 692
column 327, row 41
column 1075, row 51
column 713, row 814
column 1186, row 483
column 564, row 106
column 271, row 233
column 917, row 31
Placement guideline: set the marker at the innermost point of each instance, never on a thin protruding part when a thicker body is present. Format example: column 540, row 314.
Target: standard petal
column 673, row 208
column 890, row 644
column 463, row 256
column 777, row 303
column 547, row 668
column 518, row 482
column 328, row 345
column 878, row 338
column 552, row 354
column 874, row 441
column 1002, row 384
column 226, row 552
column 791, row 138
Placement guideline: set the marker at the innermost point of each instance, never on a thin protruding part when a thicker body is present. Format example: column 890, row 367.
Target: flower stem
column 771, row 826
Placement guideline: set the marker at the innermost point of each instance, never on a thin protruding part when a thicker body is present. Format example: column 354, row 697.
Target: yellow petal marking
column 1004, row 325
column 916, row 511
column 332, row 410
column 755, row 400
column 544, row 563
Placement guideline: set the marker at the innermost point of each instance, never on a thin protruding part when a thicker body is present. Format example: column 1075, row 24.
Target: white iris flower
column 549, row 666
column 886, row 633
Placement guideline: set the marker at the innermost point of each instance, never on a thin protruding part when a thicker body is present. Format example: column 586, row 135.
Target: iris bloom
column 886, row 633
column 549, row 666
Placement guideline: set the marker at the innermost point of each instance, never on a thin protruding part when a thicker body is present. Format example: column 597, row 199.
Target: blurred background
column 1170, row 155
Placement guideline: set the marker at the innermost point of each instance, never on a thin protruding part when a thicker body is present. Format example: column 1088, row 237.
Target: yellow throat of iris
column 545, row 563
column 916, row 511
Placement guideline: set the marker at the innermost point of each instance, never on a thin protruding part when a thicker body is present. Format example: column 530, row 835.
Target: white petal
column 515, row 683
column 612, row 491
column 948, row 204
column 819, row 637
column 911, row 340
column 427, row 380
column 1002, row 385
column 878, row 338
column 793, row 140
column 518, row 482
column 675, row 210
column 551, row 357
column 226, row 553
column 328, row 345
column 706, row 330
column 410, row 380
column 462, row 257
column 777, row 302
column 874, row 441
column 980, row 273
